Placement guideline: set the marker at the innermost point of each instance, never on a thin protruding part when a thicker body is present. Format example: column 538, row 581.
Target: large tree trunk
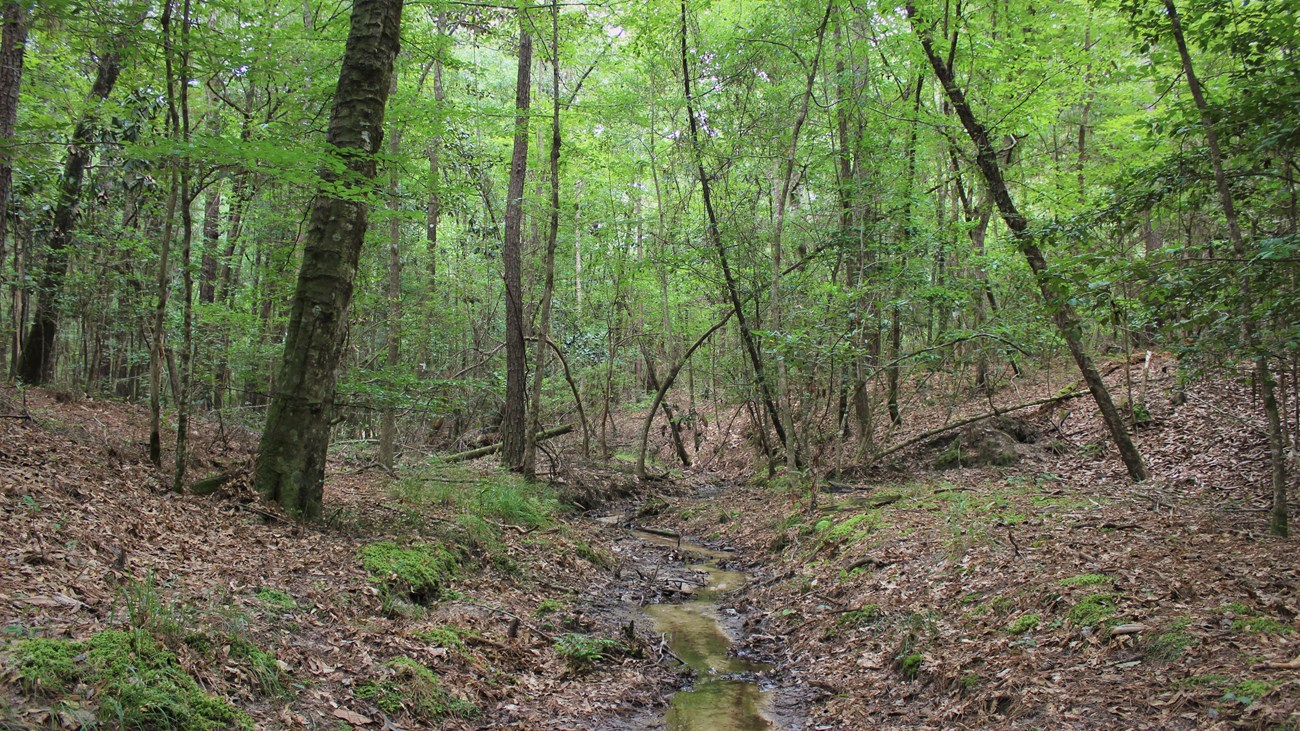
column 1267, row 387
column 291, row 456
column 37, row 359
column 548, row 266
column 13, row 44
column 1053, row 291
column 512, row 416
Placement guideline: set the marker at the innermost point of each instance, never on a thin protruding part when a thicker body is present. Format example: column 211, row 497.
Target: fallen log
column 493, row 448
column 971, row 420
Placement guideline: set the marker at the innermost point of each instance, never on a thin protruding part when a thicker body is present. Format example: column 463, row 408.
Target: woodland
column 377, row 364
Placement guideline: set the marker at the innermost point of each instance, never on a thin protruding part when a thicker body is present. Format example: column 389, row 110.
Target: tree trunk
column 1053, row 291
column 785, row 409
column 548, row 266
column 187, row 275
column 513, row 417
column 662, row 390
column 13, row 45
column 1267, row 387
column 37, row 359
column 291, row 456
column 388, row 421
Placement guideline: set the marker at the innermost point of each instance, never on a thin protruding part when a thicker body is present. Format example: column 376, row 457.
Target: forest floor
column 1050, row 593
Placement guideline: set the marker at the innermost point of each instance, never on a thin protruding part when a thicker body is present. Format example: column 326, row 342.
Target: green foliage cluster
column 138, row 683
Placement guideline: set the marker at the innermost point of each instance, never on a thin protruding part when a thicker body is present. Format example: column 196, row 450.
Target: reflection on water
column 719, row 701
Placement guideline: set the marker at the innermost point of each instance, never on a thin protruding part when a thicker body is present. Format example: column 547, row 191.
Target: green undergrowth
column 419, row 572
column 584, row 652
column 138, row 684
column 501, row 497
column 409, row 687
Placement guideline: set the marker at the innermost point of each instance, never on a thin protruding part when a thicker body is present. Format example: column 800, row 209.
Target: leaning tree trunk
column 1053, row 292
column 291, row 456
column 37, row 359
column 1267, row 387
column 512, row 416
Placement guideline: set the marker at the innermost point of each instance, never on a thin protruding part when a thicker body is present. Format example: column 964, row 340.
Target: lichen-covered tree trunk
column 291, row 457
column 1057, row 299
column 37, row 359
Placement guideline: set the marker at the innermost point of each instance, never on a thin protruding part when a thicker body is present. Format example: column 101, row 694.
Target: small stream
column 726, row 695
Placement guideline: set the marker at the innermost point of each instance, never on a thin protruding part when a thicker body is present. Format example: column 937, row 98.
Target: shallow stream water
column 726, row 695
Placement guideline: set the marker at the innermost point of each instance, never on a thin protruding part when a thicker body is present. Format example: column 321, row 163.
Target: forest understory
column 1048, row 593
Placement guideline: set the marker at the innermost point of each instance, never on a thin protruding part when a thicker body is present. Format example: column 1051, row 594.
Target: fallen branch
column 963, row 422
column 493, row 448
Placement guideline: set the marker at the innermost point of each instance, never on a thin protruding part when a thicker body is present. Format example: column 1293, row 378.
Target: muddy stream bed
column 728, row 692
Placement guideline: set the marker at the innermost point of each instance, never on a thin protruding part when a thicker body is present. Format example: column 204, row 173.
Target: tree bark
column 513, row 415
column 291, row 456
column 548, row 266
column 37, row 359
column 13, row 46
column 187, row 276
column 393, row 338
column 1053, row 292
column 1267, row 387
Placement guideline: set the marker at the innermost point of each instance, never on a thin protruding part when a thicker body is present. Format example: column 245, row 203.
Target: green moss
column 419, row 573
column 911, row 665
column 1262, row 625
column 1085, row 580
column 138, row 683
column 1093, row 610
column 446, row 635
column 868, row 614
column 1172, row 643
column 1236, row 608
column 969, row 681
column 46, row 666
column 582, row 652
column 413, row 688
column 276, row 599
column 593, row 556
column 1248, row 691
column 548, row 606
column 1204, row 681
column 1022, row 624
